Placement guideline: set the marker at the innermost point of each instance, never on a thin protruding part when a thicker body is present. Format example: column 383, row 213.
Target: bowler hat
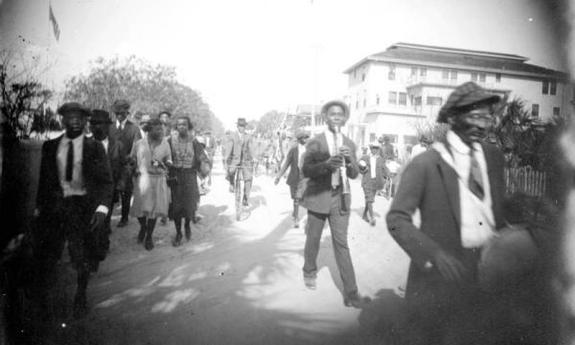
column 339, row 103
column 463, row 98
column 120, row 105
column 301, row 134
column 242, row 122
column 100, row 116
column 72, row 107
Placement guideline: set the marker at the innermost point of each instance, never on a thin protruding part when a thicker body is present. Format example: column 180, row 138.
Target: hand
column 335, row 162
column 277, row 180
column 97, row 221
column 449, row 267
column 345, row 151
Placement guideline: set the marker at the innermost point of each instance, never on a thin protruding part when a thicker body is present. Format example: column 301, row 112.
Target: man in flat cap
column 239, row 153
column 74, row 197
column 294, row 161
column 127, row 133
column 328, row 163
column 457, row 186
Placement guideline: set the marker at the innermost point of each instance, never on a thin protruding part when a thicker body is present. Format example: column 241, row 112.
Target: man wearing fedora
column 294, row 161
column 373, row 169
column 239, row 153
column 100, row 123
column 127, row 133
column 457, row 186
column 74, row 196
column 328, row 163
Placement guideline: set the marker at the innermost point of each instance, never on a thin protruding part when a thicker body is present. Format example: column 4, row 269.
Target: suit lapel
column 450, row 182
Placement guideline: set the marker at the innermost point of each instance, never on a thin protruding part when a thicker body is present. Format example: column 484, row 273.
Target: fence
column 525, row 180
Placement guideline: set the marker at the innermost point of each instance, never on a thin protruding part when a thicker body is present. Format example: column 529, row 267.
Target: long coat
column 429, row 184
column 127, row 136
column 318, row 193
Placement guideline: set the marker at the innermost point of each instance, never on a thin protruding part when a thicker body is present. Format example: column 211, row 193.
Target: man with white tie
column 328, row 163
column 74, row 196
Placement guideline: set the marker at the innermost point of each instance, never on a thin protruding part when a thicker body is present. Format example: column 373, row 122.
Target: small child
column 373, row 169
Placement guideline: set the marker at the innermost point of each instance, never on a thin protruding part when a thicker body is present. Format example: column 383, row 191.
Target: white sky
column 249, row 56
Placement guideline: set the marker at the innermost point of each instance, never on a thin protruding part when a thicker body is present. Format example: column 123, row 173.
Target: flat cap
column 339, row 103
column 463, row 97
column 72, row 107
column 100, row 116
column 120, row 105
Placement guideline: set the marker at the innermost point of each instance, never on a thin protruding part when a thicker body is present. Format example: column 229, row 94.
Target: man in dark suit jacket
column 74, row 196
column 328, row 163
column 294, row 161
column 127, row 133
column 458, row 188
column 373, row 169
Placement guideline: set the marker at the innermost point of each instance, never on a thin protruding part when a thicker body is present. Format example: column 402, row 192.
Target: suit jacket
column 380, row 172
column 317, row 196
column 127, row 136
column 117, row 157
column 96, row 171
column 235, row 151
column 429, row 184
column 292, row 162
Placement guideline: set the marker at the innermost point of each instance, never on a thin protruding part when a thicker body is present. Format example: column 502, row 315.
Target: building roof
column 418, row 54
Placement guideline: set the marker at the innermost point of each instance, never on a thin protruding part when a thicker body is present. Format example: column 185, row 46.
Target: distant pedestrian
column 388, row 151
column 188, row 157
column 153, row 157
column 240, row 154
column 294, row 161
column 373, row 169
column 422, row 146
column 127, row 133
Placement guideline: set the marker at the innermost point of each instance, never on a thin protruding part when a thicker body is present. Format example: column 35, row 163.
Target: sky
column 246, row 57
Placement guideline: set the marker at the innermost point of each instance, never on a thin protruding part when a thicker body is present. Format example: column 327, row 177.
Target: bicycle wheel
column 239, row 193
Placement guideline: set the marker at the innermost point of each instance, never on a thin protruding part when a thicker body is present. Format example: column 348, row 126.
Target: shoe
column 231, row 188
column 188, row 234
column 122, row 223
column 141, row 235
column 356, row 301
column 149, row 242
column 178, row 240
column 80, row 306
column 246, row 203
column 164, row 221
column 365, row 218
column 372, row 222
column 310, row 282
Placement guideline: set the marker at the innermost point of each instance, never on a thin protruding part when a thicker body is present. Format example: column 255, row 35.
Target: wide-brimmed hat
column 302, row 134
column 242, row 122
column 100, row 116
column 73, row 107
column 121, row 105
column 329, row 104
column 464, row 98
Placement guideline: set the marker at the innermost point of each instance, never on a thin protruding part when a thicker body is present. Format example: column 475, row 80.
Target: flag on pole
column 55, row 26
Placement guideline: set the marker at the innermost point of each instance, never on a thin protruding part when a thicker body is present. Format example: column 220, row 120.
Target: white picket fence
column 525, row 180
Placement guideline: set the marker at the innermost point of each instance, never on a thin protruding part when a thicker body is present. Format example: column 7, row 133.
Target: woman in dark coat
column 188, row 156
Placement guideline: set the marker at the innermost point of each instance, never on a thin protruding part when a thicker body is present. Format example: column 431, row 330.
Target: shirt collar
column 80, row 137
column 123, row 123
column 456, row 143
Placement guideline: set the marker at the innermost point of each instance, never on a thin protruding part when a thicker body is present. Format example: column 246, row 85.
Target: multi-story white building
column 391, row 91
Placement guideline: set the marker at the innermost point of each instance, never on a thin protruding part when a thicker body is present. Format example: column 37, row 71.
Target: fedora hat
column 464, row 98
column 74, row 107
column 120, row 105
column 100, row 116
column 242, row 122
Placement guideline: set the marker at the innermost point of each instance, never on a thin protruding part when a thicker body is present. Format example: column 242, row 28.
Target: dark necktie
column 475, row 180
column 70, row 161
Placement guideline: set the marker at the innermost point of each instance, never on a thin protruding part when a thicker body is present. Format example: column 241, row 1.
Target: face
column 335, row 117
column 122, row 115
column 144, row 120
column 241, row 129
column 182, row 126
column 99, row 130
column 303, row 140
column 374, row 150
column 74, row 122
column 472, row 126
column 164, row 118
column 156, row 132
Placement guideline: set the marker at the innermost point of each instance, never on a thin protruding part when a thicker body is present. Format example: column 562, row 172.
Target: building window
column 545, row 88
column 473, row 76
column 453, row 75
column 498, row 77
column 391, row 74
column 445, row 74
column 535, row 110
column 434, row 100
column 392, row 97
column 377, row 99
column 364, row 101
column 423, row 72
column 482, row 77
column 363, row 77
column 556, row 111
column 553, row 88
column 402, row 98
column 417, row 100
column 414, row 71
column 372, row 137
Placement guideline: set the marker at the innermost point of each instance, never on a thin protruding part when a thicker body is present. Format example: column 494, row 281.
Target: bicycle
column 239, row 185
